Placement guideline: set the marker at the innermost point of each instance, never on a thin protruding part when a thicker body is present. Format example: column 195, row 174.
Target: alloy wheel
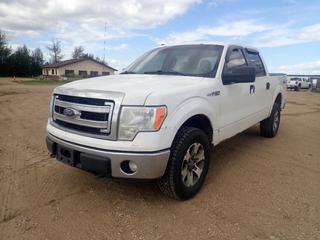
column 193, row 164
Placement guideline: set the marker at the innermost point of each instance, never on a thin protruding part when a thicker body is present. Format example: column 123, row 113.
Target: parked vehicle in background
column 298, row 83
column 314, row 82
column 161, row 117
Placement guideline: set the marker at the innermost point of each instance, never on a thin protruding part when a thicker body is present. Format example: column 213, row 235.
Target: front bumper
column 291, row 86
column 150, row 165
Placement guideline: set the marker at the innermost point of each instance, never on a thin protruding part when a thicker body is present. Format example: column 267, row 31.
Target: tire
column 297, row 88
column 185, row 173
column 269, row 127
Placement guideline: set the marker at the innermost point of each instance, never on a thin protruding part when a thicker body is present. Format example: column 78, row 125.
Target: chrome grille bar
column 83, row 122
column 82, row 107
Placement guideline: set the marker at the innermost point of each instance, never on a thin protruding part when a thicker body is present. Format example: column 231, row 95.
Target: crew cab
column 298, row 83
column 163, row 115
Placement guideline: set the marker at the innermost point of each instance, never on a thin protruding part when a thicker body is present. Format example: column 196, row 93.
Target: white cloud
column 302, row 68
column 20, row 17
column 14, row 47
column 285, row 35
column 232, row 29
column 82, row 22
column 250, row 31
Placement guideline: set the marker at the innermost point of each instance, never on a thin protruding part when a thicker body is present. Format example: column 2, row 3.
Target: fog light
column 133, row 166
column 128, row 167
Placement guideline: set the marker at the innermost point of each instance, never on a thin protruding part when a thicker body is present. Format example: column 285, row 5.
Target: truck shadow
column 229, row 150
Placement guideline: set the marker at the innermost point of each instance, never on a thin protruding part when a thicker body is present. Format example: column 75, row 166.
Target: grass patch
column 39, row 81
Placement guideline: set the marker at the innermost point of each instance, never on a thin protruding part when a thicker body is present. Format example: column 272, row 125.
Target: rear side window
column 236, row 59
column 255, row 61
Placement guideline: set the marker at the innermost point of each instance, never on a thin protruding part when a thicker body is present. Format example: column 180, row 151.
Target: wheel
column 297, row 88
column 269, row 127
column 188, row 164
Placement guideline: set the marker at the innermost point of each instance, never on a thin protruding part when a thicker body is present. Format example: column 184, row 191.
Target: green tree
column 5, row 52
column 21, row 62
column 92, row 57
column 88, row 56
column 36, row 62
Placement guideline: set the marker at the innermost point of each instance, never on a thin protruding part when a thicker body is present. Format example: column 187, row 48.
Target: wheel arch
column 202, row 122
column 197, row 113
column 279, row 99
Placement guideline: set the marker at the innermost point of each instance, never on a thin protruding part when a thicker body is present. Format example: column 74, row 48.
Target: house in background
column 76, row 68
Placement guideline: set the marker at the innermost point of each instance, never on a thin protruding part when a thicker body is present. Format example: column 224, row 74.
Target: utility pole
column 104, row 42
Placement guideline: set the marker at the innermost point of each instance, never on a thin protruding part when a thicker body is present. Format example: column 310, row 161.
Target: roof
column 225, row 44
column 72, row 61
column 303, row 75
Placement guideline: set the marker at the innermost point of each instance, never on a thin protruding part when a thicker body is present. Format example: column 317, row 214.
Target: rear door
column 263, row 86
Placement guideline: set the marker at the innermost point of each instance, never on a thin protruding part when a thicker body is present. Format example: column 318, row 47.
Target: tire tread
column 166, row 183
column 266, row 126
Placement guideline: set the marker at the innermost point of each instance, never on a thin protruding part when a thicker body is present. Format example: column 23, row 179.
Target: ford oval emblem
column 69, row 112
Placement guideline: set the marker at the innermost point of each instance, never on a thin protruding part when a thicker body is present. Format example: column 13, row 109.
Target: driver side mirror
column 239, row 75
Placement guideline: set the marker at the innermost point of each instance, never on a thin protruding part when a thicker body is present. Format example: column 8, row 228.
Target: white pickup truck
column 161, row 117
column 298, row 83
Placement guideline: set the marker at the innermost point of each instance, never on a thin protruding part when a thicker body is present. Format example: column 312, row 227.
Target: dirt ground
column 256, row 188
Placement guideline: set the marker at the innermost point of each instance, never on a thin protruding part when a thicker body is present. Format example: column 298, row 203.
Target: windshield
column 188, row 60
column 295, row 79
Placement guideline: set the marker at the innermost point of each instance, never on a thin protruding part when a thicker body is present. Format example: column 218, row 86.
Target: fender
column 187, row 109
column 277, row 91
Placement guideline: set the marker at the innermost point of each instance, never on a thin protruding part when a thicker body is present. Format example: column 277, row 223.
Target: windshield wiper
column 165, row 72
column 128, row 72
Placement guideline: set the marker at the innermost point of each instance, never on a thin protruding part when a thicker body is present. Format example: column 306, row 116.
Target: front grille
column 86, row 115
column 79, row 128
column 83, row 115
column 82, row 100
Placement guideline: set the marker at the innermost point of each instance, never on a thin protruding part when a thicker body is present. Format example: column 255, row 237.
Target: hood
column 134, row 87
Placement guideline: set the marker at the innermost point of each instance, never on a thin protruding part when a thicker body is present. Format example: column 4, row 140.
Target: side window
column 255, row 61
column 236, row 59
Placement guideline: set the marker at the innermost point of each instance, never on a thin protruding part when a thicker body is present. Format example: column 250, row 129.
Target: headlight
column 140, row 119
column 51, row 106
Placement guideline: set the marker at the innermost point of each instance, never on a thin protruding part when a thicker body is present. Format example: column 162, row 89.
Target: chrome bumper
column 150, row 165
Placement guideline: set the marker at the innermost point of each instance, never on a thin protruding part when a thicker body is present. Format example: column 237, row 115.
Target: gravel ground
column 256, row 188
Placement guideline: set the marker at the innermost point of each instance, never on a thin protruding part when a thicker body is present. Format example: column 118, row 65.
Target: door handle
column 268, row 86
column 252, row 89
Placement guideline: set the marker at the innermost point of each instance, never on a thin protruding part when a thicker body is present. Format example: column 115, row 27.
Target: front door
column 236, row 100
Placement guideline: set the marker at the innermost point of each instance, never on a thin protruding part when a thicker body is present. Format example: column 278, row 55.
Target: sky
column 287, row 32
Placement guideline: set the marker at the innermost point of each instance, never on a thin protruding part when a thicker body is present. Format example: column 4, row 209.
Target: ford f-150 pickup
column 160, row 118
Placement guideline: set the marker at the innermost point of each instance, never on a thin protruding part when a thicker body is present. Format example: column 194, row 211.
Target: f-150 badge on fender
column 214, row 93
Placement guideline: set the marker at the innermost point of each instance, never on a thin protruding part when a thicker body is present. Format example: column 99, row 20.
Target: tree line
column 24, row 62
